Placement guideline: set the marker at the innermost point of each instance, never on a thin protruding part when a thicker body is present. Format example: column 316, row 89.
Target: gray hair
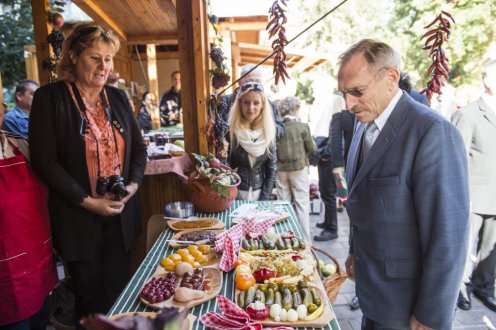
column 246, row 68
column 377, row 54
column 288, row 106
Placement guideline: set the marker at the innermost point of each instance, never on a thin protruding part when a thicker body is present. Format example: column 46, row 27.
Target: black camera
column 113, row 184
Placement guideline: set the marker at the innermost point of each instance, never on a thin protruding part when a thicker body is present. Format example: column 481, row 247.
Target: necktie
column 369, row 136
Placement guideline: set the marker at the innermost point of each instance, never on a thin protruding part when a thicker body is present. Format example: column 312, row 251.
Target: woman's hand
column 132, row 188
column 103, row 207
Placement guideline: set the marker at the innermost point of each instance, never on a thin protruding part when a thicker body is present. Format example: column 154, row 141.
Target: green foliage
column 16, row 30
column 304, row 91
column 401, row 23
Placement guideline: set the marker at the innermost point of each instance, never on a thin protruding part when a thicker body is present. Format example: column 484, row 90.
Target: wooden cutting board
column 196, row 224
column 177, row 237
column 212, row 281
column 320, row 322
column 187, row 324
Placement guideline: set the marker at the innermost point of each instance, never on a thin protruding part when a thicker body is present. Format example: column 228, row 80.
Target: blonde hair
column 84, row 36
column 265, row 120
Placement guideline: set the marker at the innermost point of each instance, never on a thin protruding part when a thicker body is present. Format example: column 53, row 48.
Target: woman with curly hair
column 292, row 160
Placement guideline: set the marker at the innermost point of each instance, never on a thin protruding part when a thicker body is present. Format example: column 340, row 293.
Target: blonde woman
column 253, row 143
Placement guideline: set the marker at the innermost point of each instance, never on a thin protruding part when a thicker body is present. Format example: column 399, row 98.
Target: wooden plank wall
column 154, row 193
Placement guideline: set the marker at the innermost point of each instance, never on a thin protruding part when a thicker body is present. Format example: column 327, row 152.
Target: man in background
column 477, row 124
column 170, row 103
column 406, row 85
column 17, row 120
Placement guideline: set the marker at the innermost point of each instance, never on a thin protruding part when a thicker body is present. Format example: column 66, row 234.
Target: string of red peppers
column 435, row 38
column 275, row 27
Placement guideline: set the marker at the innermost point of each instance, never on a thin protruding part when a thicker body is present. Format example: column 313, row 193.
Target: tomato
column 244, row 281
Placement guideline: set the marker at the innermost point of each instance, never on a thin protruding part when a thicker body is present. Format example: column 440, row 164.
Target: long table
column 128, row 301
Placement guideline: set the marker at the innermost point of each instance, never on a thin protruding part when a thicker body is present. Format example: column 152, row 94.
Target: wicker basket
column 332, row 283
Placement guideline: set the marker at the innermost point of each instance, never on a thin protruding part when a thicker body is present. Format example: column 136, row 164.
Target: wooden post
column 31, row 63
column 151, row 57
column 194, row 64
column 1, row 91
column 42, row 28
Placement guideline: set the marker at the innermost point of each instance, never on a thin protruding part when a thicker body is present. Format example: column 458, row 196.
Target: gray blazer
column 409, row 208
column 477, row 124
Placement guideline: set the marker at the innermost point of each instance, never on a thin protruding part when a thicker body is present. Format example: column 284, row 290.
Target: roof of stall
column 154, row 22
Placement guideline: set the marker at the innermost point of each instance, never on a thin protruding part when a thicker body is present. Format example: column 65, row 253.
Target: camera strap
column 86, row 126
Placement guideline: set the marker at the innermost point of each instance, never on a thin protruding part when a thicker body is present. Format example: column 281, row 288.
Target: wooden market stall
column 153, row 25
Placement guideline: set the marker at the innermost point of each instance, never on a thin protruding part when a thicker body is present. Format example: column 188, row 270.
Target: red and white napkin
column 228, row 242
column 233, row 317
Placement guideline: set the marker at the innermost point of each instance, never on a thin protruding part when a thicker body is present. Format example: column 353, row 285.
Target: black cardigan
column 58, row 156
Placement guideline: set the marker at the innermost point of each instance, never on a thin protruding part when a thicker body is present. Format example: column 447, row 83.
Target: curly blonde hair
column 265, row 120
column 84, row 36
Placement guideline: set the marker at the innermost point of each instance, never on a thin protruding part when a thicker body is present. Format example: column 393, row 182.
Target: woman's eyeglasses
column 255, row 87
column 358, row 92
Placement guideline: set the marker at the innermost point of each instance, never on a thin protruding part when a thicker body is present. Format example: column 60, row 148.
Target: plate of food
column 271, row 240
column 195, row 224
column 197, row 237
column 300, row 304
column 194, row 255
column 183, row 323
column 181, row 290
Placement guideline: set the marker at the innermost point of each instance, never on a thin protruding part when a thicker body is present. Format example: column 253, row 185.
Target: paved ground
column 479, row 317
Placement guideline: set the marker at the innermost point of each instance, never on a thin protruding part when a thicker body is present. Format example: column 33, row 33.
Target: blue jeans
column 38, row 321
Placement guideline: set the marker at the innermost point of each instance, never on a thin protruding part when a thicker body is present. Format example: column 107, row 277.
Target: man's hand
column 416, row 325
column 339, row 171
column 350, row 267
column 102, row 206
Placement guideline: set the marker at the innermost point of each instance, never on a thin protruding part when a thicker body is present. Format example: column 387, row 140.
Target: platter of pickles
column 276, row 282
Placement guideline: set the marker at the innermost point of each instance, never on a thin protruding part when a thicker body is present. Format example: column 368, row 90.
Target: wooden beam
column 31, row 63
column 304, row 63
column 193, row 64
column 151, row 61
column 41, row 27
column 159, row 56
column 162, row 39
column 1, row 92
column 99, row 16
column 242, row 26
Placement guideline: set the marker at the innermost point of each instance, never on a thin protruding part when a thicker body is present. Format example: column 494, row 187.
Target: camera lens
column 102, row 184
column 117, row 186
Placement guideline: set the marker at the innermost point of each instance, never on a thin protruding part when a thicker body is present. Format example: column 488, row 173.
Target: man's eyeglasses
column 358, row 92
column 255, row 87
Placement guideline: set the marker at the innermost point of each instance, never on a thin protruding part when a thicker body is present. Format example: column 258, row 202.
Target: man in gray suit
column 477, row 124
column 408, row 197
